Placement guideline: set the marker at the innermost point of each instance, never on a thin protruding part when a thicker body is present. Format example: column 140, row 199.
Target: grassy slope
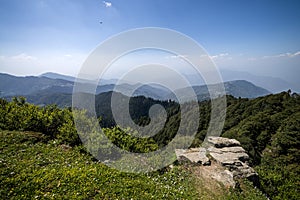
column 33, row 167
column 30, row 168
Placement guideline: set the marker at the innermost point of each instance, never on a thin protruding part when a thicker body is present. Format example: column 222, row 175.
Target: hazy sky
column 261, row 37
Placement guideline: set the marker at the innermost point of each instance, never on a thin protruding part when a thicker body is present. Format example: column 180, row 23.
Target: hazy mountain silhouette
column 44, row 90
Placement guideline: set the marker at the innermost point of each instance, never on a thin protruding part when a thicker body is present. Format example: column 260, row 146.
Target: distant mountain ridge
column 53, row 75
column 272, row 84
column 43, row 89
column 14, row 85
column 237, row 88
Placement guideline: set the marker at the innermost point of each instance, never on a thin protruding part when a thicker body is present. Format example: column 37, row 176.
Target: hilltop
column 266, row 127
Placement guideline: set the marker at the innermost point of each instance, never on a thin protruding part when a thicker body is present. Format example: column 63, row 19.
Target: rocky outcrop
column 197, row 156
column 220, row 142
column 224, row 154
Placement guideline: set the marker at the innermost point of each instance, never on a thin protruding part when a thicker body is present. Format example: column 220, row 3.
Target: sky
column 257, row 36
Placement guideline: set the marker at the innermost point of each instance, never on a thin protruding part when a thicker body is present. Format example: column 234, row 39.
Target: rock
column 204, row 159
column 228, row 155
column 225, row 177
column 236, row 149
column 244, row 171
column 231, row 158
column 218, row 173
column 193, row 155
column 220, row 142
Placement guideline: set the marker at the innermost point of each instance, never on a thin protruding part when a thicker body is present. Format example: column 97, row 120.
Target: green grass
column 32, row 167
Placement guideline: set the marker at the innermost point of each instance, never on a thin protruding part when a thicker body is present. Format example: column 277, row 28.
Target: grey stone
column 225, row 177
column 230, row 160
column 220, row 142
column 236, row 149
column 229, row 157
column 193, row 155
column 244, row 171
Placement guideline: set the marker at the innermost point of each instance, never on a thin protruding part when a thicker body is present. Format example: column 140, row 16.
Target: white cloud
column 288, row 55
column 107, row 4
column 296, row 54
column 23, row 57
column 214, row 57
column 177, row 56
column 221, row 55
column 68, row 55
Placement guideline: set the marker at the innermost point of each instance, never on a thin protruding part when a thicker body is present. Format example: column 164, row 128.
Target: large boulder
column 224, row 152
column 194, row 156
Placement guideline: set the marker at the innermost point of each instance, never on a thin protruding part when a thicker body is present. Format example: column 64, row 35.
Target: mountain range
column 272, row 84
column 56, row 88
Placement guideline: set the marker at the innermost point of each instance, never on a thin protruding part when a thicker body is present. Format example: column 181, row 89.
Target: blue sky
column 261, row 37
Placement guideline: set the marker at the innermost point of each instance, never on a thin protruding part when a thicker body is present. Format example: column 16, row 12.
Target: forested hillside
column 267, row 127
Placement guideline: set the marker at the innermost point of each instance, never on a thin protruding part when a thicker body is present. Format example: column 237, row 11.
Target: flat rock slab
column 220, row 142
column 193, row 155
column 229, row 157
column 236, row 149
